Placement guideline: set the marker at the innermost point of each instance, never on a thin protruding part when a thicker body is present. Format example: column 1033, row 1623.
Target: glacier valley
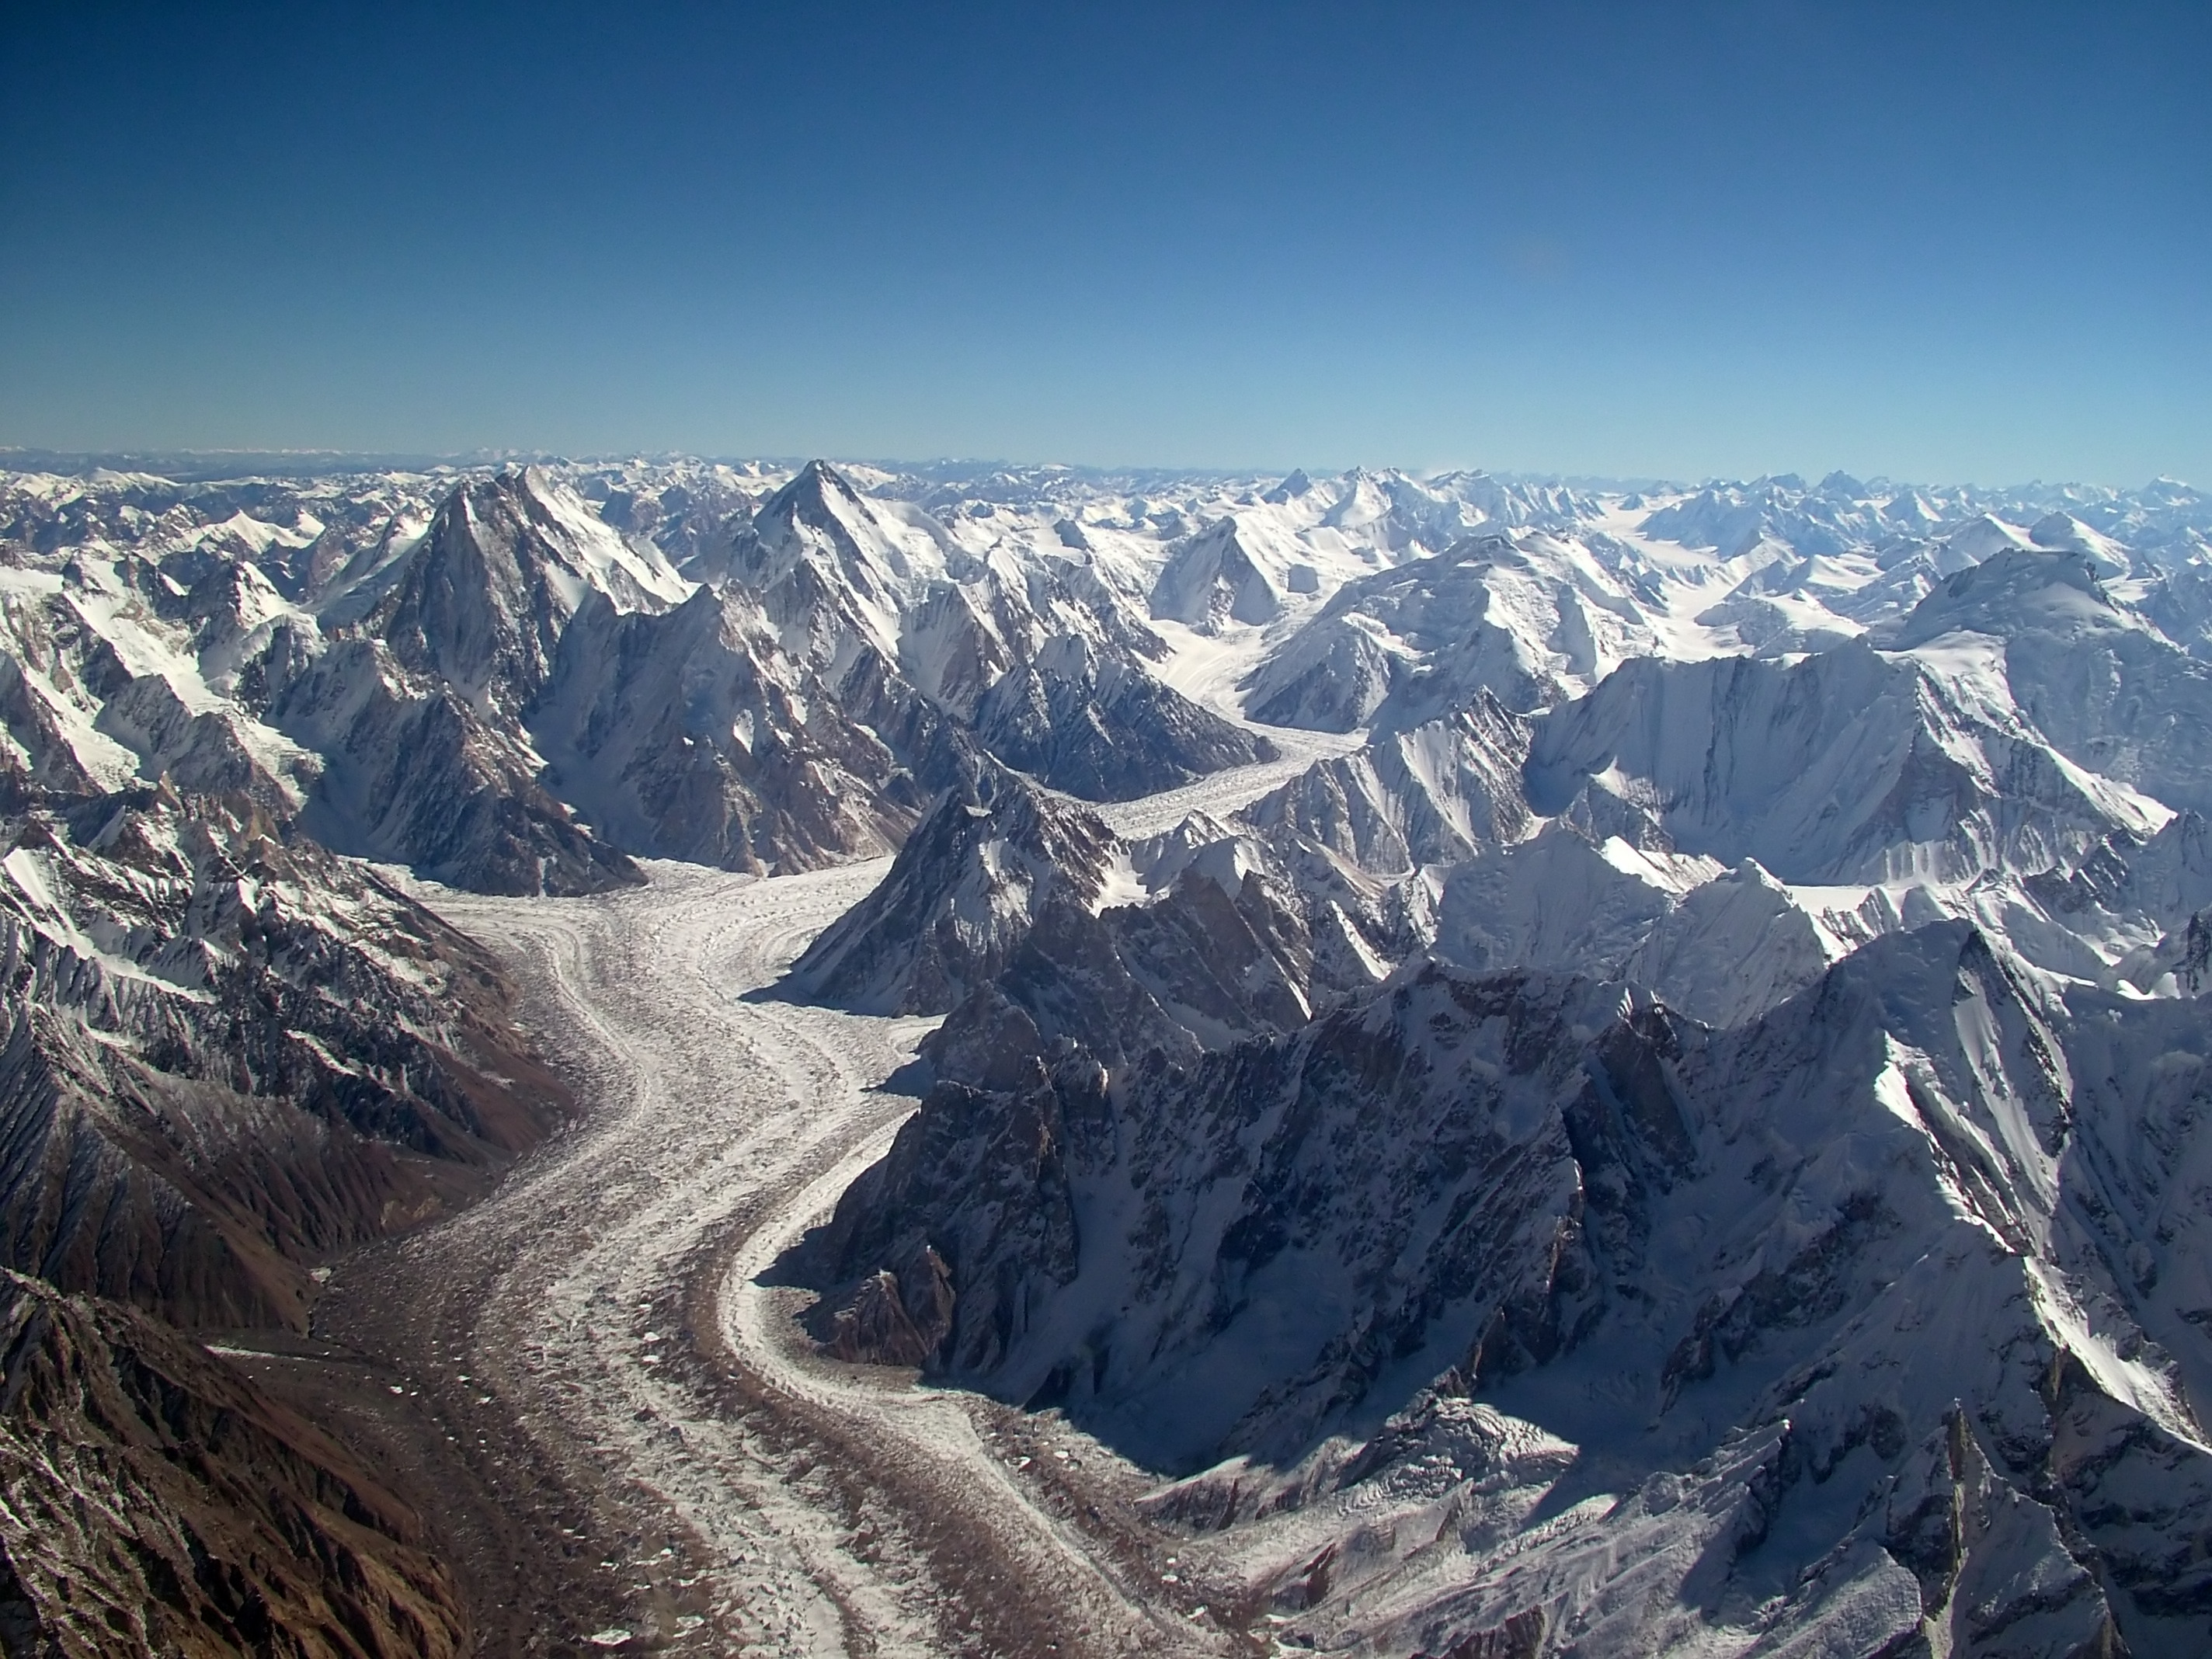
column 670, row 1055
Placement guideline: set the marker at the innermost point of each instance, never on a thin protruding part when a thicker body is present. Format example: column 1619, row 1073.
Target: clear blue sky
column 1938, row 242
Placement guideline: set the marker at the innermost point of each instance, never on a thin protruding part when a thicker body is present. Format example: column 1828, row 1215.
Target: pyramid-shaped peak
column 822, row 473
column 819, row 496
column 523, row 521
column 529, row 491
column 1983, row 536
column 817, row 490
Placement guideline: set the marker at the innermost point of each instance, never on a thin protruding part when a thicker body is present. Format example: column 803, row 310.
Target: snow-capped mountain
column 1096, row 724
column 1848, row 765
column 231, row 1055
column 481, row 604
column 1428, row 795
column 962, row 895
column 1529, row 619
column 2104, row 686
column 1051, row 671
column 693, row 734
column 1711, row 1214
column 496, row 683
column 1679, row 1131
column 1753, row 1294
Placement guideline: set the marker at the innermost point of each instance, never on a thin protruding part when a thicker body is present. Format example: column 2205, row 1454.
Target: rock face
column 503, row 688
column 1253, row 1121
column 157, row 1504
column 411, row 774
column 230, row 1056
column 1030, row 924
column 1224, row 942
column 1833, row 1263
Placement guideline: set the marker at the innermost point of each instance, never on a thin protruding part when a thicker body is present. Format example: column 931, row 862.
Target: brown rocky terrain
column 157, row 1502
column 231, row 1055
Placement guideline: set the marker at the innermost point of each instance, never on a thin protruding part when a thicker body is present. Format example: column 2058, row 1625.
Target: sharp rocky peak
column 966, row 884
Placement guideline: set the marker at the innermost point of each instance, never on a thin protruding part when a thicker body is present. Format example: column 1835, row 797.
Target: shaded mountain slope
column 230, row 1056
column 157, row 1503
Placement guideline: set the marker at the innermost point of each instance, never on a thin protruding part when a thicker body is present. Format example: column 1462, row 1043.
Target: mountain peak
column 817, row 490
column 2017, row 591
column 2065, row 531
column 821, row 474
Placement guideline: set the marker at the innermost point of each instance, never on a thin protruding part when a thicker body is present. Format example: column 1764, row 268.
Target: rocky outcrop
column 962, row 895
column 1216, row 940
column 1818, row 1276
column 1253, row 1146
column 157, row 1503
column 892, row 1319
column 230, row 1056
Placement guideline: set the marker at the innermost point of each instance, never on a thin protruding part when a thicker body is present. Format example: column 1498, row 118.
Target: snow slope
column 1614, row 1070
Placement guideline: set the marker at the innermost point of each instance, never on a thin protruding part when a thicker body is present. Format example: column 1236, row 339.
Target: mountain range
column 1679, row 1130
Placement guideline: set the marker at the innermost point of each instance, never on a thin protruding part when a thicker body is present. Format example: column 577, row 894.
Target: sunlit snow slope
column 1528, row 1067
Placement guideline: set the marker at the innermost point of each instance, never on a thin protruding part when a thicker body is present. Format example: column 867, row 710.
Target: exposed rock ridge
column 229, row 1055
column 1489, row 1178
column 158, row 1503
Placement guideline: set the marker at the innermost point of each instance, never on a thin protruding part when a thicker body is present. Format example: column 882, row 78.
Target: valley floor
column 633, row 1415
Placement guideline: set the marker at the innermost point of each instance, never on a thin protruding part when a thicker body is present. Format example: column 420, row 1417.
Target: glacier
column 1530, row 1067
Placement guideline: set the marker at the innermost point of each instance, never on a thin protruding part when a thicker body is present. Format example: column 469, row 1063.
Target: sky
column 1934, row 241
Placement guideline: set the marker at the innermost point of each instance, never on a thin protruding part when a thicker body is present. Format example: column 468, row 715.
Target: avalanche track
column 645, row 1413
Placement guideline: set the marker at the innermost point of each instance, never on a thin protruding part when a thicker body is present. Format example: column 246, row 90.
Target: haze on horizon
column 1737, row 237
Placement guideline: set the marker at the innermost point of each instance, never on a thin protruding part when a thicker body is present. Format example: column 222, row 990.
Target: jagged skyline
column 1521, row 1068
